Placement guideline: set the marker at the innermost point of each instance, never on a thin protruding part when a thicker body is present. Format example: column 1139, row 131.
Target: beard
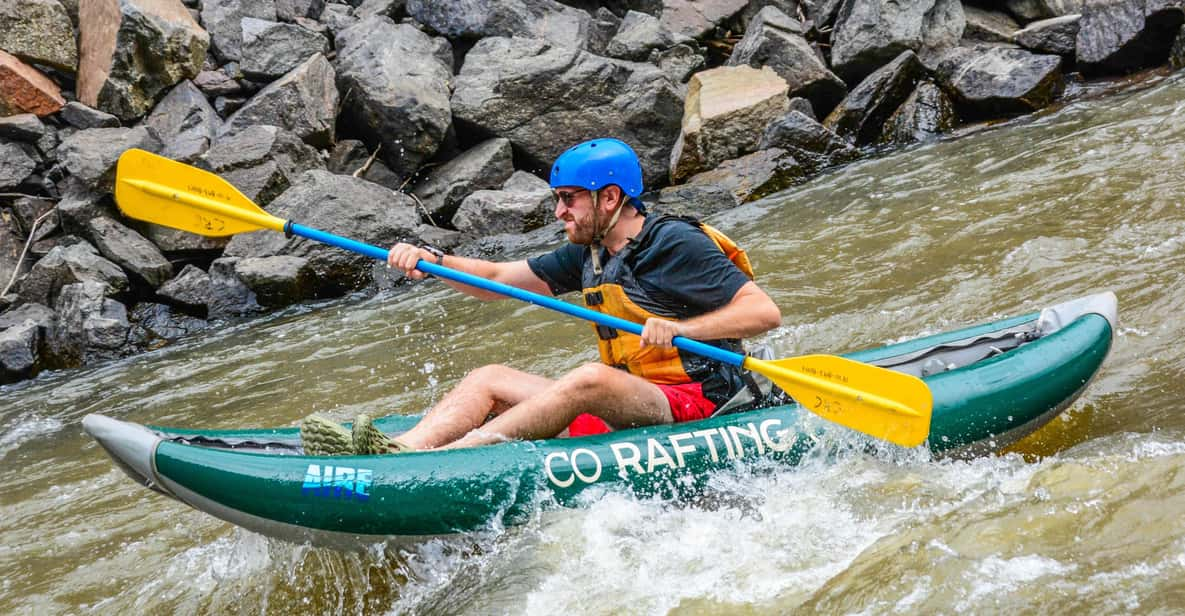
column 579, row 231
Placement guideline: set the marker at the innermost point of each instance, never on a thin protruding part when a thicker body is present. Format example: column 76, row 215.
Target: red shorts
column 687, row 404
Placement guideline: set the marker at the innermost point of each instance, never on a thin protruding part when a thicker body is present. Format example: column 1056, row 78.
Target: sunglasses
column 568, row 196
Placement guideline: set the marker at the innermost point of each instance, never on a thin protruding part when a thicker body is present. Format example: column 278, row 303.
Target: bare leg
column 490, row 389
column 620, row 398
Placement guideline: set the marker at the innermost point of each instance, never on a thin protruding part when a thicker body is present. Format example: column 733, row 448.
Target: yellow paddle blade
column 165, row 192
column 889, row 405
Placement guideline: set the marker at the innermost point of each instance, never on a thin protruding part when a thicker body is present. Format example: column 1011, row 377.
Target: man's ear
column 615, row 193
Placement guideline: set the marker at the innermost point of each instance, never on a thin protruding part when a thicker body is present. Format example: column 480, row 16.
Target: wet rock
column 338, row 204
column 338, row 17
column 15, row 165
column 1126, row 35
column 189, row 290
column 524, row 203
column 278, row 280
column 185, row 122
column 698, row 200
column 775, row 40
column 271, row 49
column 224, row 20
column 220, row 82
column 11, row 244
column 545, row 98
column 292, row 10
column 1177, row 54
column 870, row 33
column 79, row 205
column 678, row 63
column 19, row 355
column 90, row 155
column 69, row 265
column 402, row 105
column 698, row 18
column 115, row 39
column 24, row 89
column 303, row 101
column 80, row 116
column 484, row 167
column 809, row 142
column 90, row 326
column 1057, row 35
column 1031, row 10
column 473, row 19
column 927, row 113
column 602, row 29
column 23, row 127
column 152, row 324
column 988, row 26
column 261, row 161
column 726, row 110
column 862, row 113
column 40, row 315
column 227, row 295
column 39, row 32
column 131, row 251
column 755, row 175
column 988, row 81
column 638, row 34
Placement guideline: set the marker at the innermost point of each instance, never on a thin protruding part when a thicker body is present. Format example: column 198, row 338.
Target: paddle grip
column 687, row 344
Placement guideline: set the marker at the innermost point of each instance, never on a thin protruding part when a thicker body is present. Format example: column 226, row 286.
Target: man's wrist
column 437, row 254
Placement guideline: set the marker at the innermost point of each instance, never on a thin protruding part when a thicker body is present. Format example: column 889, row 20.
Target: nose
column 560, row 208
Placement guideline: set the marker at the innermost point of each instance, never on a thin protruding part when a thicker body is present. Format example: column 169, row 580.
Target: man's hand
column 405, row 256
column 659, row 332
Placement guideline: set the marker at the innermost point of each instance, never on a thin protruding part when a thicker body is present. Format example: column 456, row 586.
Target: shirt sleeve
column 687, row 268
column 560, row 268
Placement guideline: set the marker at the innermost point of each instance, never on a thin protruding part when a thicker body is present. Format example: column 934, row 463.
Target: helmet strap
column 598, row 233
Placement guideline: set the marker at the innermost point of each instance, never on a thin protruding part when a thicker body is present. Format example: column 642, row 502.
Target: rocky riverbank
column 434, row 122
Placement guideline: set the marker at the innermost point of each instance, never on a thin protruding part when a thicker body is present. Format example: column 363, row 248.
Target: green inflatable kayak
column 992, row 384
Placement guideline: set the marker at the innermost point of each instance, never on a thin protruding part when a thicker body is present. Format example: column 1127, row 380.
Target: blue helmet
column 597, row 163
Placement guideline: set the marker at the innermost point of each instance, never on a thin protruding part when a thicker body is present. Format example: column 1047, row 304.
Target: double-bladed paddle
column 876, row 401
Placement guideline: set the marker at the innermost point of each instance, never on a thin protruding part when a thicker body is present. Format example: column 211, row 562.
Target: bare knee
column 590, row 379
column 488, row 375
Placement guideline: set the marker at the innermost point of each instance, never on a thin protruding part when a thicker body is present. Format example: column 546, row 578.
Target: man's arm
column 750, row 312
column 514, row 273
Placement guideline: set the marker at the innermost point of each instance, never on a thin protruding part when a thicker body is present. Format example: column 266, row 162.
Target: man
column 665, row 272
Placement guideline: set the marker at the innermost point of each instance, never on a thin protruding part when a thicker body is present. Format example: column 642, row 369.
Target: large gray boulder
column 398, row 79
column 1057, row 35
column 988, row 81
column 338, row 204
column 80, row 116
column 19, row 351
column 988, row 26
column 726, row 110
column 68, row 265
column 185, row 122
column 189, row 290
column 474, row 19
column 278, row 280
column 303, row 101
column 870, row 33
column 15, row 165
column 776, row 40
column 261, row 161
column 224, row 20
column 545, row 98
column 755, row 175
column 698, row 18
column 271, row 49
column 39, row 32
column 1122, row 36
column 227, row 295
column 809, row 142
column 90, row 326
column 1031, row 10
column 79, row 205
column 484, row 167
column 927, row 113
column 861, row 115
column 293, row 10
column 131, row 251
column 40, row 315
column 116, row 38
column 639, row 34
column 153, row 324
column 524, row 203
column 90, row 155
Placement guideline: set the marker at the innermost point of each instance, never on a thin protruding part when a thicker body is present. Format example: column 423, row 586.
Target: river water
column 1087, row 515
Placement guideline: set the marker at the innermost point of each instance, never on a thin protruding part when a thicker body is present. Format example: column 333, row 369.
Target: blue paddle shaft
column 687, row 344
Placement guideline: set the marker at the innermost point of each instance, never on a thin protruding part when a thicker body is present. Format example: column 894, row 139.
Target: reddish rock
column 24, row 89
